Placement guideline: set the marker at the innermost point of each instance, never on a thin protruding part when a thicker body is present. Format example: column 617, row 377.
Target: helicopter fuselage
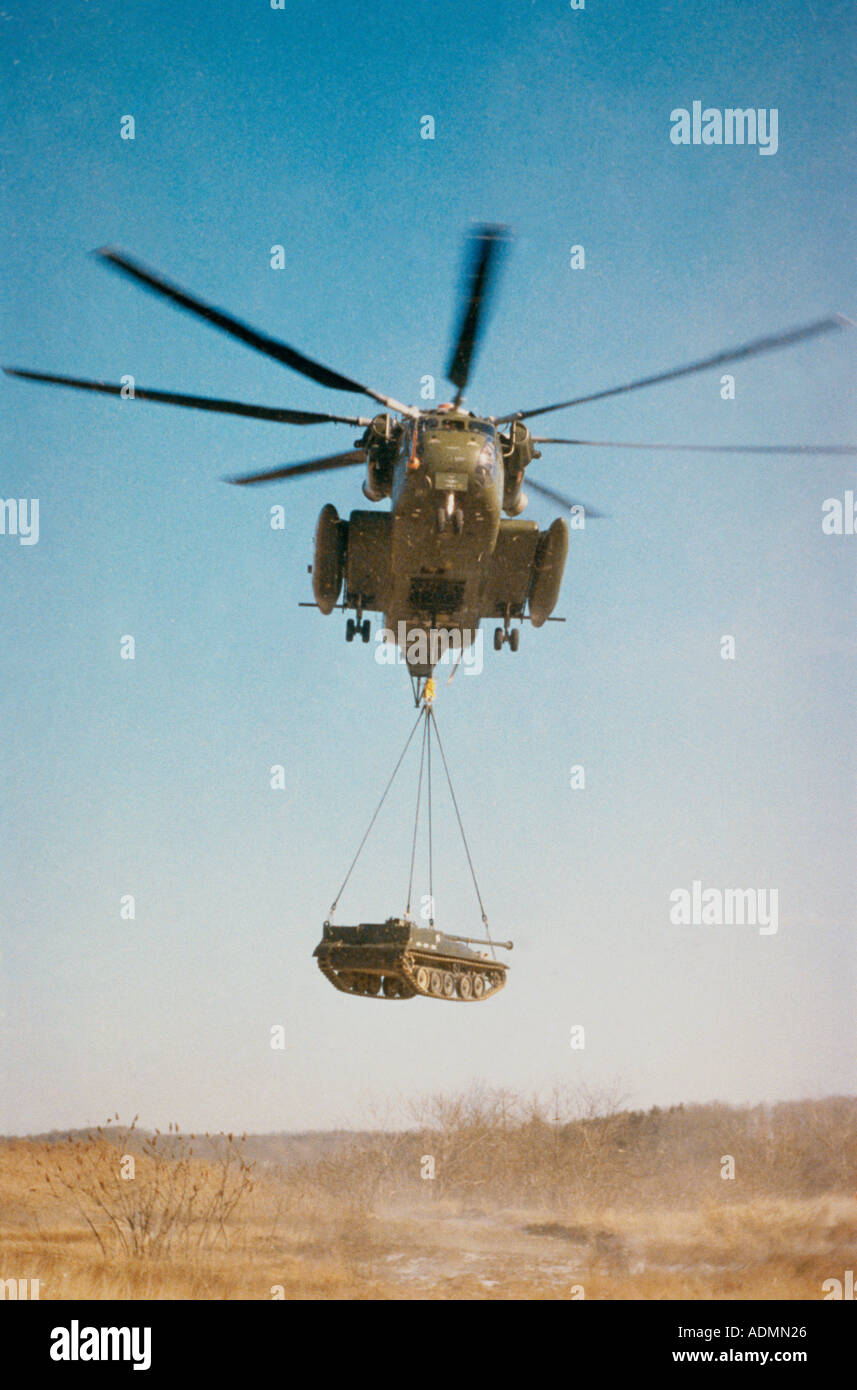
column 442, row 558
column 447, row 495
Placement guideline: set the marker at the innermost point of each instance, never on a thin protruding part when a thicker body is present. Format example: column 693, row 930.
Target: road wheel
column 478, row 986
column 514, row 638
column 498, row 639
column 448, row 985
column 465, row 986
column 422, row 978
column 436, row 982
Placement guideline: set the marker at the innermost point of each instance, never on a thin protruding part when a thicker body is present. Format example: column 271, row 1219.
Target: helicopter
column 453, row 548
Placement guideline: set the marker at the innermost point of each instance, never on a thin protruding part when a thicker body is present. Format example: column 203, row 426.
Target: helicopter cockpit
column 453, row 440
column 430, row 424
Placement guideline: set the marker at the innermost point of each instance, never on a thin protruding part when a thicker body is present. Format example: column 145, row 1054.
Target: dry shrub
column 150, row 1194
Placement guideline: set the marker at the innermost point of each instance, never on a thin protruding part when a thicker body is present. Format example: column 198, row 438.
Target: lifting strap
column 427, row 715
column 335, row 902
column 417, row 816
column 461, row 828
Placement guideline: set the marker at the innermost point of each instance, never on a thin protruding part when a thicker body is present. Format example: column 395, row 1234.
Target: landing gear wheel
column 499, row 639
column 514, row 638
column 441, row 520
column 422, row 978
column 478, row 986
column 458, row 521
column 448, row 985
column 350, row 630
column 436, row 982
column 365, row 629
column 465, row 986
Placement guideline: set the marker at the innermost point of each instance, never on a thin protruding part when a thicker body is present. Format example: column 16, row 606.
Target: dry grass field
column 561, row 1200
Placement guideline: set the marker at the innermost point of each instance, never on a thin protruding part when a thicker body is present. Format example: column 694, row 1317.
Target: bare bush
column 150, row 1194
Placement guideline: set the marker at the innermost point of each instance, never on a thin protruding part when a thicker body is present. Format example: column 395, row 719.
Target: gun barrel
column 478, row 941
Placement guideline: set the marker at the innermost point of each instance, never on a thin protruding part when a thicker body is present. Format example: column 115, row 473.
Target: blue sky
column 301, row 128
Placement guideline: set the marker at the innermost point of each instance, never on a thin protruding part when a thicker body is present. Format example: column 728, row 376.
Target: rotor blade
column 295, row 470
column 561, row 498
column 486, row 245
column 255, row 412
column 709, row 448
column 271, row 347
column 751, row 349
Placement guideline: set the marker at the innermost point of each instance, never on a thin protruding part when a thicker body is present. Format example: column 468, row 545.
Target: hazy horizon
column 412, row 1125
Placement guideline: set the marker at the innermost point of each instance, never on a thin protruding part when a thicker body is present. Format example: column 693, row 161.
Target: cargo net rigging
column 399, row 959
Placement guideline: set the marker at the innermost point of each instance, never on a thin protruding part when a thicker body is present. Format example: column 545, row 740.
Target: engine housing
column 518, row 451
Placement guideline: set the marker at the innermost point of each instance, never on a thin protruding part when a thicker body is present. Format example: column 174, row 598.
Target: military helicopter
column 443, row 557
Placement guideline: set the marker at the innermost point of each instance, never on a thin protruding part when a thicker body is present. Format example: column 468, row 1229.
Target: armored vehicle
column 398, row 959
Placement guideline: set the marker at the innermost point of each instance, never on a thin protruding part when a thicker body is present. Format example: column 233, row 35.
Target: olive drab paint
column 442, row 557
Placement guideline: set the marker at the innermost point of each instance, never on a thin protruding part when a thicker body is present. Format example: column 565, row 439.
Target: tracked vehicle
column 398, row 959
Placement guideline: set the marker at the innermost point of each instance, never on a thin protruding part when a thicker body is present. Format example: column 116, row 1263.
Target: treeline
column 494, row 1147
column 568, row 1147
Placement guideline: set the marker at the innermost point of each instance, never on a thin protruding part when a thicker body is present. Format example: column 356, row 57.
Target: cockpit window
column 429, row 424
